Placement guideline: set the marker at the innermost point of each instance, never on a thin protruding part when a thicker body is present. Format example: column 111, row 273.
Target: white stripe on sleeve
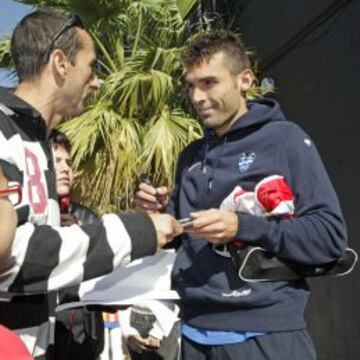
column 74, row 247
column 118, row 238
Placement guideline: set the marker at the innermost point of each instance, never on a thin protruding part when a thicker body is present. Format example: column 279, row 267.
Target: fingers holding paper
column 166, row 228
column 215, row 225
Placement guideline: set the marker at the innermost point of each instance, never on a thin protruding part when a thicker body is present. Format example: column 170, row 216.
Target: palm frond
column 165, row 136
column 5, row 57
column 185, row 6
column 106, row 146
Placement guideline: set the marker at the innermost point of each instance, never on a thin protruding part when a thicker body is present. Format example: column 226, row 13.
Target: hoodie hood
column 260, row 112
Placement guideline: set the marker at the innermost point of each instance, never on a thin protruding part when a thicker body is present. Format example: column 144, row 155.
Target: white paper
column 143, row 279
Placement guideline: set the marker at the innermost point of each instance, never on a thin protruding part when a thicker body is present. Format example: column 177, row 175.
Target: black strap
column 254, row 264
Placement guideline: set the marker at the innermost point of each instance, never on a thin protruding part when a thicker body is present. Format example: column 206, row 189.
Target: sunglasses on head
column 73, row 21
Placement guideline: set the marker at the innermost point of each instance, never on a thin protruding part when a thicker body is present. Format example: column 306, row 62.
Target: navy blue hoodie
column 261, row 143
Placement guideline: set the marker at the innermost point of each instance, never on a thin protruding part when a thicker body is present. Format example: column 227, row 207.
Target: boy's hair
column 60, row 139
column 203, row 46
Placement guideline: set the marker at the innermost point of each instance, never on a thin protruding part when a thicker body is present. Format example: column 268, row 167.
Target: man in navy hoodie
column 223, row 316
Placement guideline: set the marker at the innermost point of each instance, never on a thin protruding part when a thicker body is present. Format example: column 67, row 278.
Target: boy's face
column 63, row 170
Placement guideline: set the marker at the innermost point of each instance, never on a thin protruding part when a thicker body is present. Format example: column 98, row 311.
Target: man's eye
column 209, row 82
column 95, row 66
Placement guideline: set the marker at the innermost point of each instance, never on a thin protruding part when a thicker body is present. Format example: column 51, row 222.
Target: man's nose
column 95, row 83
column 198, row 96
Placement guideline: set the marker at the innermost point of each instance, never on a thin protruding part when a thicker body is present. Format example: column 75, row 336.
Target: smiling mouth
column 205, row 112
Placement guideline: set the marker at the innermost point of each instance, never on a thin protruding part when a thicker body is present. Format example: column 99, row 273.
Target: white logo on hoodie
column 235, row 293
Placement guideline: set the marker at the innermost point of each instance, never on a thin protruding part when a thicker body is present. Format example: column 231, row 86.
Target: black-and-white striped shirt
column 45, row 256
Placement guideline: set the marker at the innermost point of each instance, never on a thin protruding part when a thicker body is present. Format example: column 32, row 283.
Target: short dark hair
column 201, row 47
column 32, row 37
column 60, row 139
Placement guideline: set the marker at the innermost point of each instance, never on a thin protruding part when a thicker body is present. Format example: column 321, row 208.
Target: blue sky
column 10, row 13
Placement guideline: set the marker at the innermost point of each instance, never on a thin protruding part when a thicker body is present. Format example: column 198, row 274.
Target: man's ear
column 60, row 63
column 245, row 79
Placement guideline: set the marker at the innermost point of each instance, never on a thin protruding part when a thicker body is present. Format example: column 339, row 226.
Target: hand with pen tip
column 150, row 198
column 153, row 200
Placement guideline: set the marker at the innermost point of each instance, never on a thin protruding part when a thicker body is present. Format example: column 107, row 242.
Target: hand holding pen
column 150, row 198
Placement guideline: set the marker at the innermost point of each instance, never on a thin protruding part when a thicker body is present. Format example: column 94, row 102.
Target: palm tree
column 139, row 121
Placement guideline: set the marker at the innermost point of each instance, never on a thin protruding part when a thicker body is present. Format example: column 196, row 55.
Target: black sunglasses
column 73, row 21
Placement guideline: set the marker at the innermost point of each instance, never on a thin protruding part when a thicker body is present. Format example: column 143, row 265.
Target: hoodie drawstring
column 221, row 142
